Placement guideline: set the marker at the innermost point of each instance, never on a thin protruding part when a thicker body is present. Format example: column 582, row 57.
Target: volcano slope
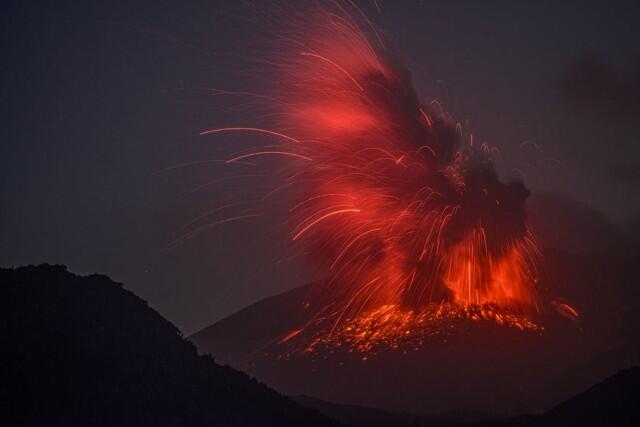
column 466, row 362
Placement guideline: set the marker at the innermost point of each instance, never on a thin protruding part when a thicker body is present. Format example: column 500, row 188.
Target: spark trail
column 403, row 213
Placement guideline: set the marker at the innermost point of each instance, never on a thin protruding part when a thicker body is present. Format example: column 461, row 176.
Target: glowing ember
column 396, row 204
column 391, row 327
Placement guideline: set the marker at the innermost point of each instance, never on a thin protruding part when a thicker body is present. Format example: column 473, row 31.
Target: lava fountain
column 400, row 208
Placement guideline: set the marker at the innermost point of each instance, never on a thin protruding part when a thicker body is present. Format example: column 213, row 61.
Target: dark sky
column 97, row 99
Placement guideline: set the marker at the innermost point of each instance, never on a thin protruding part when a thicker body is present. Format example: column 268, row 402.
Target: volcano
column 391, row 200
column 465, row 363
column 435, row 292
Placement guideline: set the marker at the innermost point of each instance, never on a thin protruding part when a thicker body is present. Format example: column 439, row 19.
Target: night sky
column 99, row 100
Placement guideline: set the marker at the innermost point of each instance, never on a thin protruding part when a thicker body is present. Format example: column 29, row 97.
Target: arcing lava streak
column 396, row 203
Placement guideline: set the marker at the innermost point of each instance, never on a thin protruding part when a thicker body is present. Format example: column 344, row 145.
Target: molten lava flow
column 395, row 203
column 392, row 327
column 476, row 277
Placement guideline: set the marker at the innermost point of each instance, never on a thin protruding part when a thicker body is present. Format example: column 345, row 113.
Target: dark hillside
column 612, row 402
column 84, row 351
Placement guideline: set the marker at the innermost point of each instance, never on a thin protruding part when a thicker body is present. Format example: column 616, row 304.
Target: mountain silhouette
column 362, row 416
column 85, row 351
column 612, row 402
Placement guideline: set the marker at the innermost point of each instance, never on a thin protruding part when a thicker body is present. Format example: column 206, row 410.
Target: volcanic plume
column 398, row 206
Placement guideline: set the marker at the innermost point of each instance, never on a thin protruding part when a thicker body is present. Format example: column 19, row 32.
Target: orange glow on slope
column 391, row 327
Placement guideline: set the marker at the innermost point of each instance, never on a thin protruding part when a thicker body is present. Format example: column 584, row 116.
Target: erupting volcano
column 396, row 204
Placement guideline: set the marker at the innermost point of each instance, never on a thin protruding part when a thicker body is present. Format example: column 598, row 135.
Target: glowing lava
column 395, row 203
column 392, row 327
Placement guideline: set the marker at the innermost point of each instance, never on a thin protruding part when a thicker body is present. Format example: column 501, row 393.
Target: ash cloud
column 591, row 85
column 627, row 174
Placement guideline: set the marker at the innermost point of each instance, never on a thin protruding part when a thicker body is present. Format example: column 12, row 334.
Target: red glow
column 397, row 206
column 476, row 277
